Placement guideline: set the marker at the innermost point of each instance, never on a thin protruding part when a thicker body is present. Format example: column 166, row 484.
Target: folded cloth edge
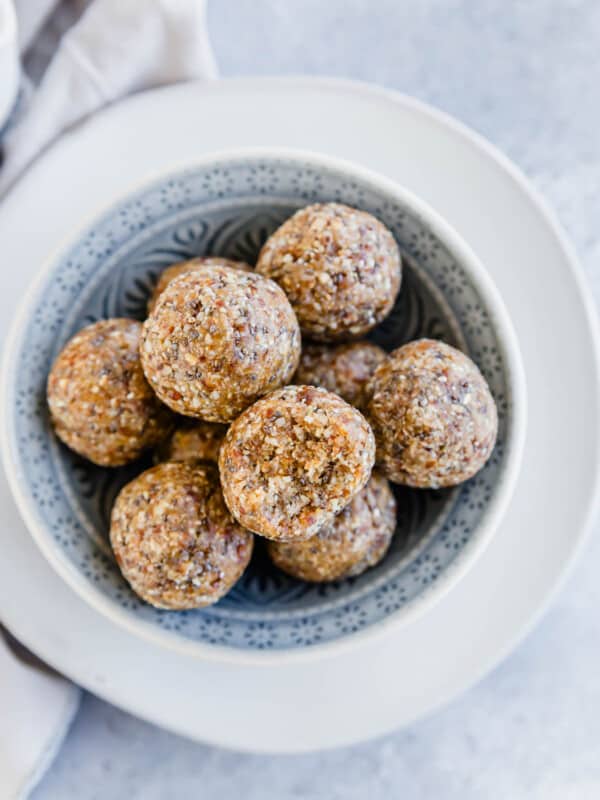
column 53, row 745
column 74, row 87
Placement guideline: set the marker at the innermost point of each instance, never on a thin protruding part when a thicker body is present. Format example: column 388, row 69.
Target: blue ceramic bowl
column 228, row 205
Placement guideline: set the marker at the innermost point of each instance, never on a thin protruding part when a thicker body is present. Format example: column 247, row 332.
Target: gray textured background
column 527, row 76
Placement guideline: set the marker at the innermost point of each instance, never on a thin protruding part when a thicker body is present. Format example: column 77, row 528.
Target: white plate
column 388, row 682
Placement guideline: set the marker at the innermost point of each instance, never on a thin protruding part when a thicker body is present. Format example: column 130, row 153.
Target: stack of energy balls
column 256, row 430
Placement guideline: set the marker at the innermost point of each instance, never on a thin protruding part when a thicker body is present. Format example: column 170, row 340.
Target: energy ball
column 174, row 539
column 101, row 405
column 339, row 267
column 433, row 415
column 344, row 369
column 293, row 460
column 192, row 441
column 217, row 340
column 358, row 538
column 191, row 265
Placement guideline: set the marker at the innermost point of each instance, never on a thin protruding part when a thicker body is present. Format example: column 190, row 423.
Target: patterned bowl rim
column 480, row 538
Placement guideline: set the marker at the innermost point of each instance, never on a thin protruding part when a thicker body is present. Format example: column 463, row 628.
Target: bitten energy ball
column 293, row 460
column 174, row 539
column 356, row 539
column 183, row 267
column 217, row 340
column 433, row 415
column 339, row 267
column 344, row 369
column 101, row 405
column 197, row 441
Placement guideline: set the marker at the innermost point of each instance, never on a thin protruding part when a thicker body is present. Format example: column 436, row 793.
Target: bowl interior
column 229, row 209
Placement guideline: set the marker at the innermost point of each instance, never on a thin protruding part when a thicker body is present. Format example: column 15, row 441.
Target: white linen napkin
column 116, row 47
column 36, row 711
column 32, row 14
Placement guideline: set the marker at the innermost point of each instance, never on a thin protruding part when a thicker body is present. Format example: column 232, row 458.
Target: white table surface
column 525, row 73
